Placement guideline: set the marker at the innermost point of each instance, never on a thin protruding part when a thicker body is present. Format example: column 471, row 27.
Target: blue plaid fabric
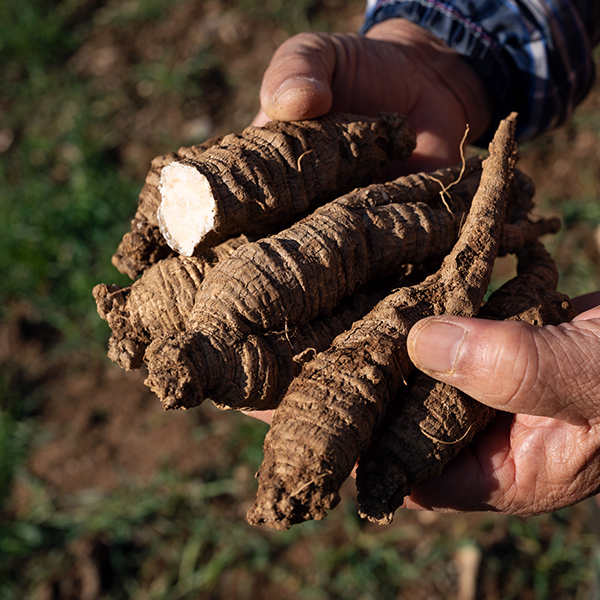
column 534, row 55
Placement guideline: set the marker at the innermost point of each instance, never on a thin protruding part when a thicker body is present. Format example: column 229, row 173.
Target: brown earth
column 99, row 426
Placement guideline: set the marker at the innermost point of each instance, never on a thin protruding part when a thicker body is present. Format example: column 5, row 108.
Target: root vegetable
column 290, row 321
column 144, row 245
column 332, row 408
column 160, row 301
column 289, row 279
column 278, row 356
column 422, row 432
column 269, row 176
column 238, row 367
column 340, row 151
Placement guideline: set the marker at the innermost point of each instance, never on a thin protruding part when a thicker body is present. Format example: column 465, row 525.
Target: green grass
column 64, row 202
column 183, row 539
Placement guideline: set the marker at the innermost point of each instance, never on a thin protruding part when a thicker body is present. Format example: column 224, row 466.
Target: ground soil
column 98, row 425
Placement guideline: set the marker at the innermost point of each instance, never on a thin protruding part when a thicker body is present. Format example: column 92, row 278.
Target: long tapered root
column 421, row 434
column 342, row 395
column 229, row 189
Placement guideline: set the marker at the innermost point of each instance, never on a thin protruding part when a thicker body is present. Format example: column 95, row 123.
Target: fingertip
column 266, row 416
column 587, row 306
column 473, row 355
column 298, row 98
column 260, row 119
column 434, row 345
column 297, row 82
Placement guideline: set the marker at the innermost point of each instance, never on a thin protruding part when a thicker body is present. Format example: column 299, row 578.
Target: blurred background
column 104, row 496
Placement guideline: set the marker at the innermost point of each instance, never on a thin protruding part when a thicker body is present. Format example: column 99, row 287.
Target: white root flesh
column 187, row 210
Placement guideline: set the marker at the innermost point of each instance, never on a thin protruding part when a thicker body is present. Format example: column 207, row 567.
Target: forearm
column 534, row 56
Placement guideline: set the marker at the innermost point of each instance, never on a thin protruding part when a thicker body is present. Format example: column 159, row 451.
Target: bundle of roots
column 275, row 275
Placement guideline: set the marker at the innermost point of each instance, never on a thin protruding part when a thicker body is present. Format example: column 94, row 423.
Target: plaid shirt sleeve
column 534, row 55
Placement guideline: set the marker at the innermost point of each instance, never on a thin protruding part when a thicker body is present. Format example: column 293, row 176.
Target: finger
column 520, row 464
column 260, row 119
column 479, row 478
column 266, row 416
column 515, row 367
column 297, row 82
column 311, row 74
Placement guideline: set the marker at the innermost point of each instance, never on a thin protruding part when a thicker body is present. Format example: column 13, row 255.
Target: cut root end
column 187, row 210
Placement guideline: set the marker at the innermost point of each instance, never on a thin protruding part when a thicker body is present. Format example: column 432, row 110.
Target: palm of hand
column 521, row 465
column 526, row 464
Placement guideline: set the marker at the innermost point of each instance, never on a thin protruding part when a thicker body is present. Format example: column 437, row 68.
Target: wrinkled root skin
column 328, row 459
column 349, row 159
column 342, row 395
column 289, row 322
column 239, row 369
column 292, row 502
column 433, row 424
column 179, row 374
column 287, row 280
column 127, row 344
column 423, row 432
column 140, row 248
column 268, row 177
column 156, row 304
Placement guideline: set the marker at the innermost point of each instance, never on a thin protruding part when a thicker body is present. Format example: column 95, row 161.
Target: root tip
column 172, row 373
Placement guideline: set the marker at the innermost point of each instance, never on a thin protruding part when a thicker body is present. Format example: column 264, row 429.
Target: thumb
column 513, row 366
column 297, row 82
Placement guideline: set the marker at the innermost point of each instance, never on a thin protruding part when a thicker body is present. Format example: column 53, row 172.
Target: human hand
column 398, row 66
column 547, row 455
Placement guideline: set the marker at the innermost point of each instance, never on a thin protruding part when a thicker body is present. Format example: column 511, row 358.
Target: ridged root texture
column 240, row 369
column 215, row 361
column 158, row 303
column 285, row 281
column 316, row 429
column 267, row 177
column 424, row 431
column 353, row 382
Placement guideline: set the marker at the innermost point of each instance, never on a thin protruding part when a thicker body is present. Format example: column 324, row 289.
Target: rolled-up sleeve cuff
column 534, row 56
